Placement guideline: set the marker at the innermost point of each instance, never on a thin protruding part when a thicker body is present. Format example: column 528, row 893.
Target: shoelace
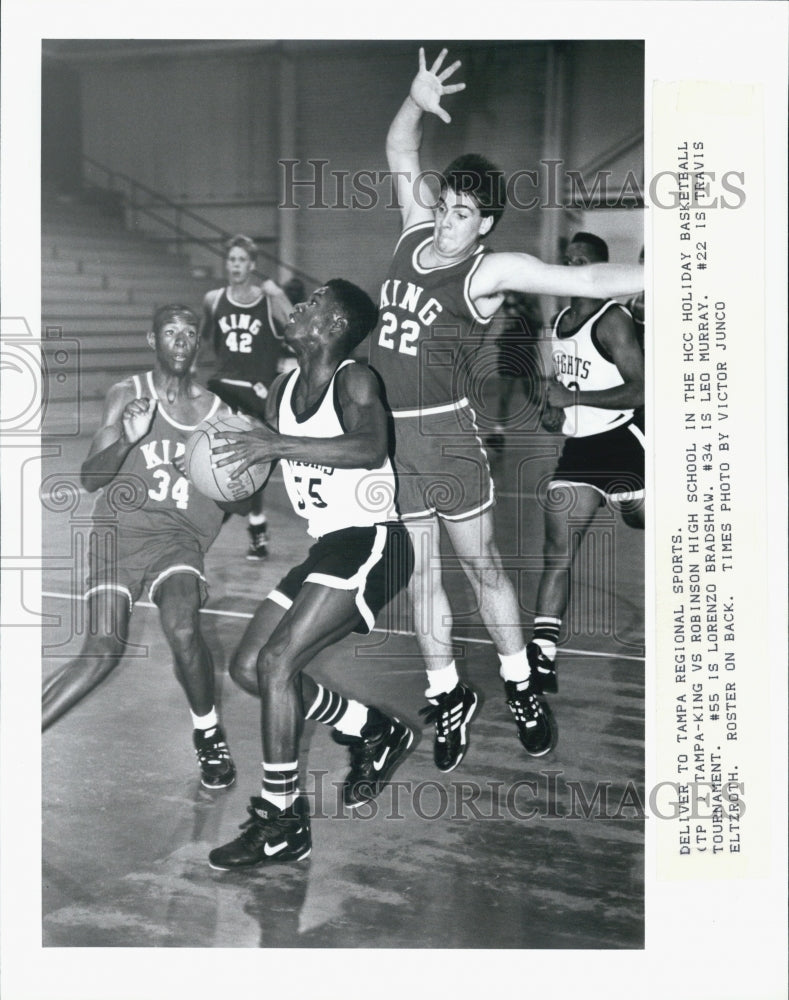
column 213, row 751
column 526, row 709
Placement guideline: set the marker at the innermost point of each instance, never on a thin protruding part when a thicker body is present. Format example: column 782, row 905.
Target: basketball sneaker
column 533, row 717
column 270, row 836
column 217, row 769
column 451, row 714
column 543, row 669
column 258, row 542
column 374, row 755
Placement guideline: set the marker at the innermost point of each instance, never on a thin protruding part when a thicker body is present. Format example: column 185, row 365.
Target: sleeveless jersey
column 426, row 329
column 329, row 498
column 148, row 495
column 580, row 362
column 248, row 346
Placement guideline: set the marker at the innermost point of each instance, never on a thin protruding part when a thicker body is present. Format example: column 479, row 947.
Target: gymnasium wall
column 207, row 130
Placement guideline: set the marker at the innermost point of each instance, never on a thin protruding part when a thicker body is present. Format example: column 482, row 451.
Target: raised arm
column 362, row 446
column 125, row 421
column 404, row 139
column 520, row 272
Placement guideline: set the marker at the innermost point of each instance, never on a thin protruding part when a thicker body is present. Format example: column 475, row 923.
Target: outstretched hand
column 428, row 87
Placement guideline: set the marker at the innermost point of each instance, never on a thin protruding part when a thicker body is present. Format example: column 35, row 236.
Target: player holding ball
column 151, row 529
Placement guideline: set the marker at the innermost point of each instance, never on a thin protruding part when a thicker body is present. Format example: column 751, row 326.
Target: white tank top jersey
column 580, row 362
column 328, row 498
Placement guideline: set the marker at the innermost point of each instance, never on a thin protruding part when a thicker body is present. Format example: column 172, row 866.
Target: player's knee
column 633, row 515
column 181, row 635
column 274, row 666
column 243, row 670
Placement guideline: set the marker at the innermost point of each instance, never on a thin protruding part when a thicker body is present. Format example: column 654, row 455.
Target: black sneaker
column 374, row 755
column 217, row 769
column 451, row 714
column 270, row 836
column 543, row 670
column 536, row 726
column 258, row 542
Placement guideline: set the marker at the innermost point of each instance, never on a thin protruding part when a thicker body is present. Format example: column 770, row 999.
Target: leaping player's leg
column 179, row 598
column 109, row 611
column 475, row 545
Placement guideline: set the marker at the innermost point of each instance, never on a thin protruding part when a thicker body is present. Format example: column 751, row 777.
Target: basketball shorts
column 611, row 463
column 375, row 562
column 127, row 562
column 240, row 395
column 440, row 464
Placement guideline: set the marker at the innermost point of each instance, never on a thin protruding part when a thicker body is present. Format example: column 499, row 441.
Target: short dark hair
column 166, row 314
column 359, row 310
column 246, row 243
column 598, row 246
column 475, row 175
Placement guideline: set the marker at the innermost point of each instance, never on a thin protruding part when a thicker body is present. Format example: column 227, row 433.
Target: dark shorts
column 517, row 359
column 376, row 563
column 441, row 465
column 128, row 562
column 240, row 395
column 611, row 463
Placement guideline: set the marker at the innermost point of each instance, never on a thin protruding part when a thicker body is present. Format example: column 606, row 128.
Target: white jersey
column 581, row 362
column 330, row 498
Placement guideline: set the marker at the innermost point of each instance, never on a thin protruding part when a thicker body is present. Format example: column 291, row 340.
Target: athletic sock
column 280, row 784
column 257, row 519
column 546, row 634
column 336, row 710
column 204, row 722
column 442, row 681
column 514, row 666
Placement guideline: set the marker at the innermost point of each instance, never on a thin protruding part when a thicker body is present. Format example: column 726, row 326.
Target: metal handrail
column 221, row 235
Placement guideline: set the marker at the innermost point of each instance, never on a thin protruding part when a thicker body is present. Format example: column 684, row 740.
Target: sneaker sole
column 260, row 864
column 395, row 757
column 225, row 784
column 257, row 558
column 472, row 709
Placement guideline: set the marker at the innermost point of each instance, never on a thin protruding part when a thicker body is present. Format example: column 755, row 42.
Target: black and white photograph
column 376, row 537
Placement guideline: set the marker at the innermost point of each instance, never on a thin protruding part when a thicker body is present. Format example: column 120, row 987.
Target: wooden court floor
column 504, row 852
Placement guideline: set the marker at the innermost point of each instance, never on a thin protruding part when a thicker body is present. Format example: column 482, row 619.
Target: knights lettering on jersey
column 579, row 362
column 327, row 497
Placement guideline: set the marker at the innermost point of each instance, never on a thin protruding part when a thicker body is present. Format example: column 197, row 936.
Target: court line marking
column 383, row 631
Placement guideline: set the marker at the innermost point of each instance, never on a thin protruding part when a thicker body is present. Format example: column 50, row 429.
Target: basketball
column 215, row 482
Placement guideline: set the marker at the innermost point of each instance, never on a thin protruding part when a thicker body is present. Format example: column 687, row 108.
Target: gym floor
column 505, row 852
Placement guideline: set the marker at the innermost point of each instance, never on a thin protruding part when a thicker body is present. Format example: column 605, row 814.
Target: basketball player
column 244, row 323
column 636, row 307
column 599, row 370
column 150, row 528
column 442, row 285
column 331, row 437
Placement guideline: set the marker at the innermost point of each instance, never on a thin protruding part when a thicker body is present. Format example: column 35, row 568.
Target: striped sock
column 546, row 634
column 280, row 784
column 335, row 710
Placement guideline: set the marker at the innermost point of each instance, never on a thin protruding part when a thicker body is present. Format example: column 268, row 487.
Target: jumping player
column 150, row 528
column 599, row 371
column 244, row 323
column 331, row 437
column 442, row 285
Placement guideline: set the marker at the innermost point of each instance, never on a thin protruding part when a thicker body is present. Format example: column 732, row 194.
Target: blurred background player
column 517, row 361
column 636, row 307
column 158, row 539
column 244, row 322
column 442, row 287
column 599, row 372
column 332, row 441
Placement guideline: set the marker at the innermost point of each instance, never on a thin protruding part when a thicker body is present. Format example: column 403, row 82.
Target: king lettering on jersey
column 158, row 453
column 239, row 321
column 409, row 298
